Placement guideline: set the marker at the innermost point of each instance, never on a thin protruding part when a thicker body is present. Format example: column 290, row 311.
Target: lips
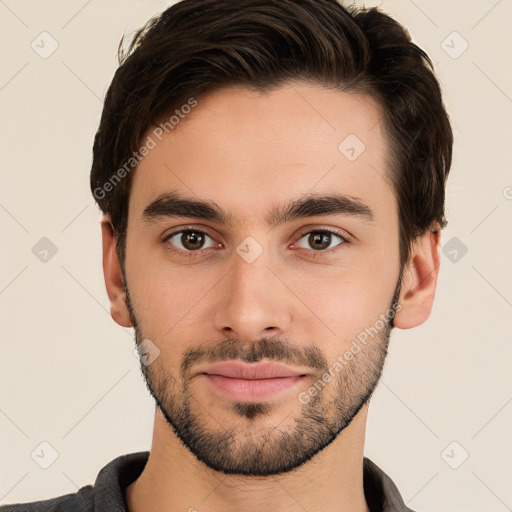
column 252, row 371
column 251, row 382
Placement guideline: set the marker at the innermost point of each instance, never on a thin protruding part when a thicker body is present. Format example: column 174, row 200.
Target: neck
column 174, row 480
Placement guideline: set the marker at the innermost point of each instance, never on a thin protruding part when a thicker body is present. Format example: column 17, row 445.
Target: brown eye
column 321, row 240
column 192, row 240
column 189, row 240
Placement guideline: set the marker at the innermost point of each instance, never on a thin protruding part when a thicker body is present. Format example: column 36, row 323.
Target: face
column 288, row 254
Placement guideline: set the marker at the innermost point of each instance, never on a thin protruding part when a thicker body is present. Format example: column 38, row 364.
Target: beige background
column 68, row 373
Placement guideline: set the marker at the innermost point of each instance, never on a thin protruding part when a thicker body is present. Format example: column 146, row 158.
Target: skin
column 249, row 152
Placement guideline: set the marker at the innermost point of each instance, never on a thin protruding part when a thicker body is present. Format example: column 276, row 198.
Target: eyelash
column 199, row 252
column 336, row 248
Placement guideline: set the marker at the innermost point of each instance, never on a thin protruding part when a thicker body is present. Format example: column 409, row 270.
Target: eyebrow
column 172, row 204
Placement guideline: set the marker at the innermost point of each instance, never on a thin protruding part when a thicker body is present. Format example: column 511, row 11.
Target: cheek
column 343, row 302
column 167, row 299
column 167, row 307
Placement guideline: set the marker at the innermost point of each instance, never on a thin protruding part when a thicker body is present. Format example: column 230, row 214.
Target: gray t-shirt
column 108, row 492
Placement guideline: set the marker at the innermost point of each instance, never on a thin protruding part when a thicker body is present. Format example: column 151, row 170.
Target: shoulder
column 106, row 495
column 81, row 501
column 380, row 491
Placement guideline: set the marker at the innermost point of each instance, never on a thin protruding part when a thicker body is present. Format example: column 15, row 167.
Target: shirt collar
column 380, row 492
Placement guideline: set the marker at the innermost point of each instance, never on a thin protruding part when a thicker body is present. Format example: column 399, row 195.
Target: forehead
column 246, row 150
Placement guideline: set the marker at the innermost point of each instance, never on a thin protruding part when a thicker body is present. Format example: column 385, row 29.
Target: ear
column 113, row 276
column 420, row 280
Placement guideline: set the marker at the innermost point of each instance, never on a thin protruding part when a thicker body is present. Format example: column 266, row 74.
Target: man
column 271, row 175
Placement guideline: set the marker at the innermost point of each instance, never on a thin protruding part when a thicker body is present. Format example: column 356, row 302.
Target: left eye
column 320, row 240
column 190, row 240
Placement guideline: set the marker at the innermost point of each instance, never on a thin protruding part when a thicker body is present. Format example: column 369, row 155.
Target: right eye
column 189, row 240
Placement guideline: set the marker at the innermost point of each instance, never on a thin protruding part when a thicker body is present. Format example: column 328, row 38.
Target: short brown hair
column 202, row 46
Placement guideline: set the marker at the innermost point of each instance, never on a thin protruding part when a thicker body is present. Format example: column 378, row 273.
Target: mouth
column 250, row 382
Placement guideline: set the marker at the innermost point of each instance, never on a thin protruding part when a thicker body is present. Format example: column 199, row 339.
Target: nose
column 251, row 302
